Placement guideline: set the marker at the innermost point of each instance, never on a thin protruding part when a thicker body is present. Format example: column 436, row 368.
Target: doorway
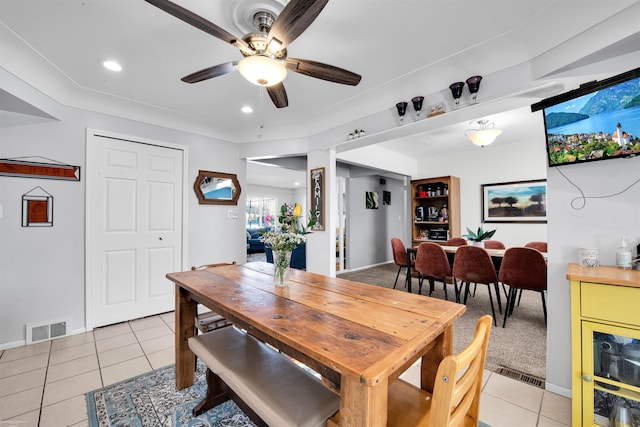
column 135, row 221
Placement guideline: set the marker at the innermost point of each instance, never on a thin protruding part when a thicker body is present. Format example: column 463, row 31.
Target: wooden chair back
column 456, row 396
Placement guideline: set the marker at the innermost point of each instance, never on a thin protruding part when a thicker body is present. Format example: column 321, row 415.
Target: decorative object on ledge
column 30, row 169
column 37, row 208
column 485, row 135
column 217, row 188
column 519, row 201
column 456, row 92
column 436, row 109
column 402, row 109
column 357, row 133
column 474, row 85
column 417, row 104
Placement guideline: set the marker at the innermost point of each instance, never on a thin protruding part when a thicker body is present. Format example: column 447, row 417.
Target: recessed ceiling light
column 296, row 183
column 111, row 65
column 246, row 109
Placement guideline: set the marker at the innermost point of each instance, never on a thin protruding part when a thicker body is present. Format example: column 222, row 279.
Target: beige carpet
column 521, row 346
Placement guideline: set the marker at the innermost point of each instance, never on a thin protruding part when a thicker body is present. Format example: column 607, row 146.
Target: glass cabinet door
column 611, row 375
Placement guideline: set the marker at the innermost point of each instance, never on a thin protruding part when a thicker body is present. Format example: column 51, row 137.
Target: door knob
column 587, row 378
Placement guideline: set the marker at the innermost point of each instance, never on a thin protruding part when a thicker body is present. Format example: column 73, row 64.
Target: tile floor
column 44, row 384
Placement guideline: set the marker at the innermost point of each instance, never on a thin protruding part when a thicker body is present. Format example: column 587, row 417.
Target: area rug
column 152, row 400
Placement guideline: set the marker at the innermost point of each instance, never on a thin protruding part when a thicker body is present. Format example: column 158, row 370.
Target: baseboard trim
column 566, row 392
column 21, row 343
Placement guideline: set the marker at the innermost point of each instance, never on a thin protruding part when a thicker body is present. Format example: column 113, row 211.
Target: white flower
column 280, row 240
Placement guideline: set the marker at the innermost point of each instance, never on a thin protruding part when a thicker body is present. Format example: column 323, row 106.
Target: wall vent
column 519, row 376
column 37, row 332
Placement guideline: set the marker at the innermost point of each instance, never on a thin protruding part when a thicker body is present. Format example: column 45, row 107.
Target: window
column 261, row 211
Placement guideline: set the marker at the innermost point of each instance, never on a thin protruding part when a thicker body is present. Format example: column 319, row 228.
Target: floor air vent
column 47, row 331
column 519, row 376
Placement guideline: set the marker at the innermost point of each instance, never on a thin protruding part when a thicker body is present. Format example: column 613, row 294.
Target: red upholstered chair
column 455, row 241
column 541, row 246
column 432, row 263
column 494, row 244
column 473, row 264
column 497, row 261
column 400, row 258
column 523, row 269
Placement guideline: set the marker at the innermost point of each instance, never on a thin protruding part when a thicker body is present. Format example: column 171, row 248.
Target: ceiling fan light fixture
column 485, row 135
column 262, row 70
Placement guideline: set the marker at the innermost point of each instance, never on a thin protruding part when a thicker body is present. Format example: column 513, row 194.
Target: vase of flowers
column 284, row 240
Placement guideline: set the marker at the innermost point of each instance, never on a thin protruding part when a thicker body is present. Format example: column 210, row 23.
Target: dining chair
column 210, row 320
column 400, row 258
column 472, row 264
column 497, row 261
column 455, row 241
column 541, row 246
column 523, row 269
column 494, row 244
column 432, row 263
column 455, row 401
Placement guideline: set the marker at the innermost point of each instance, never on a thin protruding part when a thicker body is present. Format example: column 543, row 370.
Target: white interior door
column 134, row 226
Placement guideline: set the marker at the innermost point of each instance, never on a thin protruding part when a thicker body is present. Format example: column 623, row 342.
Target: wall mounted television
column 598, row 121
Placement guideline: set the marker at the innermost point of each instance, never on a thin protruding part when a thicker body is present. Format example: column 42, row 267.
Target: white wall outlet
column 232, row 214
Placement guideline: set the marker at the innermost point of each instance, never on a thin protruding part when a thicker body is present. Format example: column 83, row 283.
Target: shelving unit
column 605, row 332
column 439, row 201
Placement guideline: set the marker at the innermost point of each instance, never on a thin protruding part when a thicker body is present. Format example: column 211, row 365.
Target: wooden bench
column 263, row 382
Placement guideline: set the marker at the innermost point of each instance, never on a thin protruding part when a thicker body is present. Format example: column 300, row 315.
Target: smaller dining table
column 495, row 254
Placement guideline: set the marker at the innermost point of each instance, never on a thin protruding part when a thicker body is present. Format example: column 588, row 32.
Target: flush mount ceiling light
column 111, row 65
column 262, row 70
column 485, row 135
column 246, row 109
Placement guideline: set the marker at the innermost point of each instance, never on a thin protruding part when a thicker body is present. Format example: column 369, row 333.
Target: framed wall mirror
column 217, row 188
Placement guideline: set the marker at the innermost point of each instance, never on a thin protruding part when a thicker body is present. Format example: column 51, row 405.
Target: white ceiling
column 526, row 50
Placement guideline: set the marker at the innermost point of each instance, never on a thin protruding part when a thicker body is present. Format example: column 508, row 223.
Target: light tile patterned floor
column 44, row 384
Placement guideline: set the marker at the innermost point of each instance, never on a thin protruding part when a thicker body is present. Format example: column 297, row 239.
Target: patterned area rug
column 152, row 400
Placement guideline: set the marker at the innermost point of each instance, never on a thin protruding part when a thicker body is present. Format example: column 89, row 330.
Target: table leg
column 186, row 309
column 430, row 361
column 407, row 281
column 361, row 405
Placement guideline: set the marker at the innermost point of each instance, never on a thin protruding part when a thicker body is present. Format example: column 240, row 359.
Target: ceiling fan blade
column 323, row 71
column 294, row 19
column 211, row 72
column 201, row 23
column 278, row 95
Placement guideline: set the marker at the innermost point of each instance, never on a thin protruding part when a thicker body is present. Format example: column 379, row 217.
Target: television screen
column 598, row 121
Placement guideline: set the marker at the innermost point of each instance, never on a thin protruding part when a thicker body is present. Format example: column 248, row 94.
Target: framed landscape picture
column 519, row 201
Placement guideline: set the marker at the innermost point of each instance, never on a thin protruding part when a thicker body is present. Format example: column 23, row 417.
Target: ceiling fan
column 265, row 61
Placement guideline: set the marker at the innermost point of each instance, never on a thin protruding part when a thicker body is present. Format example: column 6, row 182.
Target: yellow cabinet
column 605, row 333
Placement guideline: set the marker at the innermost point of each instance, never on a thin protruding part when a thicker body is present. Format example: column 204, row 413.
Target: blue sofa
column 254, row 245
column 298, row 257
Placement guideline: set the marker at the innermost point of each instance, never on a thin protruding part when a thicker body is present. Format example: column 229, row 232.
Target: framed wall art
column 317, row 197
column 37, row 208
column 519, row 201
column 371, row 200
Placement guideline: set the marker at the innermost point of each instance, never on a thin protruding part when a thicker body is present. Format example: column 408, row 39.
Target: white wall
column 508, row 159
column 601, row 223
column 369, row 231
column 42, row 269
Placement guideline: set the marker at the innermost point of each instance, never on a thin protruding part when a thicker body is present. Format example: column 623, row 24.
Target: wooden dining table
column 358, row 337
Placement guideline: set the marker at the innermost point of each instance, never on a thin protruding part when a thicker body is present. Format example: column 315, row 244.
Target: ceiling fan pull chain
column 260, row 117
